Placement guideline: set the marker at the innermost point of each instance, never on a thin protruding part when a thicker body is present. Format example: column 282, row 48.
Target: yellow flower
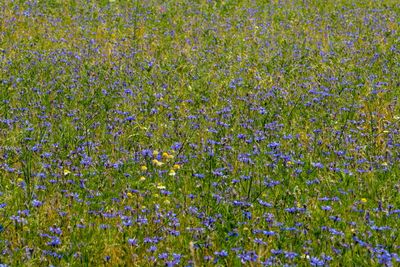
column 155, row 153
column 66, row 172
column 363, row 200
column 176, row 167
column 142, row 178
column 172, row 173
column 20, row 180
column 160, row 186
column 143, row 168
column 157, row 163
column 129, row 194
column 165, row 155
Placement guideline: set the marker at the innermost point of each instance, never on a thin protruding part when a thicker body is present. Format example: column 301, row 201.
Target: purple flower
column 314, row 261
column 36, row 203
column 55, row 241
column 222, row 253
column 132, row 242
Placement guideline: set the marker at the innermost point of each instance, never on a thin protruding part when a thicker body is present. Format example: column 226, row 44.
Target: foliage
column 199, row 133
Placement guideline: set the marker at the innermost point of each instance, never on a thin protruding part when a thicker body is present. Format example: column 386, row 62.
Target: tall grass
column 199, row 133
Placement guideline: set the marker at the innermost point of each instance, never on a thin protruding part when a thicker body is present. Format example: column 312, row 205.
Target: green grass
column 261, row 108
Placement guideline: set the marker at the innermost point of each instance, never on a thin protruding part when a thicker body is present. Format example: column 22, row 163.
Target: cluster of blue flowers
column 228, row 133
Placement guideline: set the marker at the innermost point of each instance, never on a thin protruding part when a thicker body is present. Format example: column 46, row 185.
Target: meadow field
column 199, row 133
